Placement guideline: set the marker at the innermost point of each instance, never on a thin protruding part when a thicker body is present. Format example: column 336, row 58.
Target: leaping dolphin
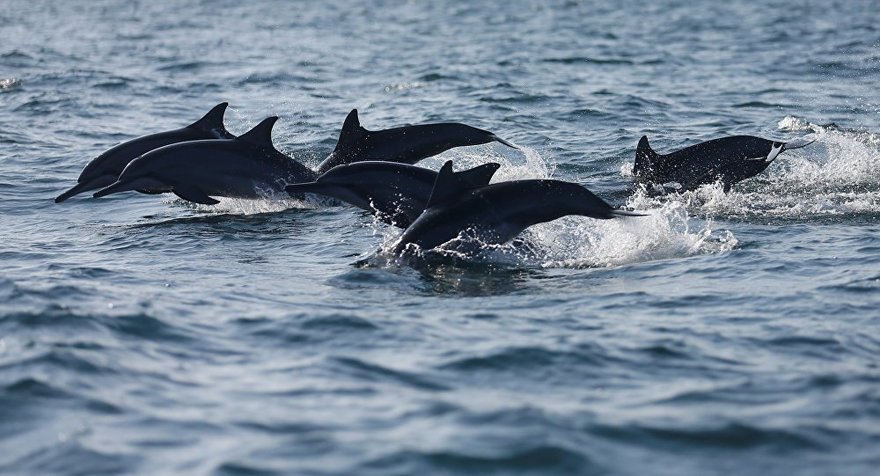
column 396, row 193
column 496, row 213
column 407, row 145
column 243, row 167
column 728, row 160
column 105, row 169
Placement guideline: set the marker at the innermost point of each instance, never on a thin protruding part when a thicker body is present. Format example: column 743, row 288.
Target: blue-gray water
column 723, row 334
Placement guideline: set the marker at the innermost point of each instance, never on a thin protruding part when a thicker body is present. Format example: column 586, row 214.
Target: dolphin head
column 115, row 187
column 145, row 184
column 136, row 176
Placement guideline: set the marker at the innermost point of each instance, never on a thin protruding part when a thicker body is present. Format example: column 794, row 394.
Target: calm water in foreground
column 722, row 334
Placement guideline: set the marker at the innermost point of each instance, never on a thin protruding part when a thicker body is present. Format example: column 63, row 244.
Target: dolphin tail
column 508, row 144
column 117, row 186
column 81, row 187
column 645, row 157
column 478, row 176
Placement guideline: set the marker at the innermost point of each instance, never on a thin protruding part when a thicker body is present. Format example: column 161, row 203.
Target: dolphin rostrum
column 496, row 213
column 396, row 193
column 248, row 166
column 727, row 160
column 407, row 145
column 105, row 169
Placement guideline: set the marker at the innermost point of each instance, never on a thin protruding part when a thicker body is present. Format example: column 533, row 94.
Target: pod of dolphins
column 374, row 170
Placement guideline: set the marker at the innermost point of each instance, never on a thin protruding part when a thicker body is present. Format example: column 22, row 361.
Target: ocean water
column 722, row 334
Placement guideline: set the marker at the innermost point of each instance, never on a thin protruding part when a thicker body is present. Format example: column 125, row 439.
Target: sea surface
column 721, row 334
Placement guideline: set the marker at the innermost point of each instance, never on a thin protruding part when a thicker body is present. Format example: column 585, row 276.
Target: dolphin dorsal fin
column 351, row 132
column 447, row 186
column 213, row 120
column 478, row 176
column 645, row 155
column 644, row 149
column 261, row 134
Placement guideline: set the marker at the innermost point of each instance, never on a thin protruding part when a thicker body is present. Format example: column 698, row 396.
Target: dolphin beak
column 76, row 189
column 98, row 182
column 118, row 186
column 801, row 142
column 508, row 144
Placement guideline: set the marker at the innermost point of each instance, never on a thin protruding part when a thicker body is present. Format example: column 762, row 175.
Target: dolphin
column 240, row 167
column 105, row 169
column 496, row 213
column 395, row 193
column 728, row 160
column 407, row 145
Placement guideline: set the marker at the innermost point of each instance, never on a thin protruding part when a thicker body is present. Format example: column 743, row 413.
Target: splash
column 836, row 175
column 270, row 203
column 525, row 163
column 578, row 242
column 9, row 83
column 666, row 232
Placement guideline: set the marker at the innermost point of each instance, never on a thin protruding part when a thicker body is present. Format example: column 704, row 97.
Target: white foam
column 513, row 167
column 243, row 206
column 838, row 174
column 667, row 231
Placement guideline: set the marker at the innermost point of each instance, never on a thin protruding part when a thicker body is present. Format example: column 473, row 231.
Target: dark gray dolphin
column 728, row 160
column 496, row 213
column 244, row 167
column 105, row 168
column 407, row 145
column 396, row 193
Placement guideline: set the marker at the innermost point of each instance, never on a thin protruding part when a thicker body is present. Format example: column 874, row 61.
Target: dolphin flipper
column 193, row 194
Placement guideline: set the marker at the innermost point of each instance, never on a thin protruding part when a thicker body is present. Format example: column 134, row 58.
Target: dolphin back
column 406, row 145
column 104, row 169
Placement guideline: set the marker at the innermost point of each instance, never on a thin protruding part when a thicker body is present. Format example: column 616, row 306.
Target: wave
column 9, row 83
column 836, row 175
column 271, row 203
column 578, row 242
